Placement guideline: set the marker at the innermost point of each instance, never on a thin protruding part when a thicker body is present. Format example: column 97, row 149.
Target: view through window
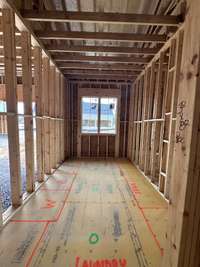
column 99, row 115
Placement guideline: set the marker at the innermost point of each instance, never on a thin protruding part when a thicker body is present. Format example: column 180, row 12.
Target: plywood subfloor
column 88, row 214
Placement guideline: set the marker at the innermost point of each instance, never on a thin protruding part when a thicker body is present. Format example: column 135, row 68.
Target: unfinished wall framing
column 153, row 114
column 158, row 93
column 99, row 145
column 32, row 79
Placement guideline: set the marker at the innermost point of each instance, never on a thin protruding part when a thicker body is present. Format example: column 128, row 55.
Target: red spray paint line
column 144, row 216
column 46, row 227
column 58, row 214
column 37, row 245
column 150, row 227
column 32, row 221
column 67, row 195
column 154, row 208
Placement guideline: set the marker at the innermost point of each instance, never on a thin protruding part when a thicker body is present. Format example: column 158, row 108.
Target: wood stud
column 39, row 112
column 34, row 86
column 28, row 118
column 156, row 145
column 153, row 118
column 8, row 19
column 46, row 68
column 52, row 115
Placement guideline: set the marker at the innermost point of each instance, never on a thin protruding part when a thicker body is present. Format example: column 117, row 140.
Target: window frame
column 81, row 128
column 98, row 132
column 100, row 93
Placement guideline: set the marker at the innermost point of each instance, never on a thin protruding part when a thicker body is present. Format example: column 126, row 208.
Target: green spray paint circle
column 94, row 238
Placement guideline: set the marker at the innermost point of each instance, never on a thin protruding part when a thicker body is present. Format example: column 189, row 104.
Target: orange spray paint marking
column 49, row 204
column 144, row 216
column 134, row 188
column 101, row 262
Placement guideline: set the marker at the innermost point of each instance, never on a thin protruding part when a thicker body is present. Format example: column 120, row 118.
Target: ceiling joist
column 105, row 36
column 98, row 17
column 100, row 77
column 100, row 72
column 132, row 59
column 102, row 49
column 115, row 66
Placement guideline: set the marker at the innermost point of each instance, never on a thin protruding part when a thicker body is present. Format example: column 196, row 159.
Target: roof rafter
column 100, row 77
column 132, row 59
column 99, row 17
column 100, row 72
column 106, row 36
column 114, row 66
column 102, row 49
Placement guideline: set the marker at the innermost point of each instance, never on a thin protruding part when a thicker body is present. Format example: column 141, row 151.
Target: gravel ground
column 5, row 172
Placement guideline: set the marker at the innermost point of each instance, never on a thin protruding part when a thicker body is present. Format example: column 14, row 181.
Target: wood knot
column 194, row 59
column 183, row 148
column 185, row 213
column 189, row 75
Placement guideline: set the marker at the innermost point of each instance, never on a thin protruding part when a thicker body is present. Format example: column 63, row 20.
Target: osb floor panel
column 88, row 214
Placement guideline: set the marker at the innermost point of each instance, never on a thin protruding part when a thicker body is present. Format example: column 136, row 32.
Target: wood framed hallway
column 89, row 213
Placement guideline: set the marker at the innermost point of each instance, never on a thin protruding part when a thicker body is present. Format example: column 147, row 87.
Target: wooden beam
column 135, row 114
column 19, row 92
column 57, row 109
column 39, row 112
column 100, row 77
column 100, row 17
column 101, row 49
column 156, row 126
column 11, row 102
column 60, row 122
column 67, row 119
column 46, row 66
column 52, row 104
column 143, row 117
column 22, row 25
column 63, row 88
column 173, row 103
column 147, row 144
column 99, row 72
column 17, row 40
column 106, row 36
column 132, row 59
column 114, row 66
column 28, row 120
column 18, row 51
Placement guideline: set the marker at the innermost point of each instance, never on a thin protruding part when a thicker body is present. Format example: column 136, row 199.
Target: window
column 99, row 115
column 108, row 115
column 90, row 106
